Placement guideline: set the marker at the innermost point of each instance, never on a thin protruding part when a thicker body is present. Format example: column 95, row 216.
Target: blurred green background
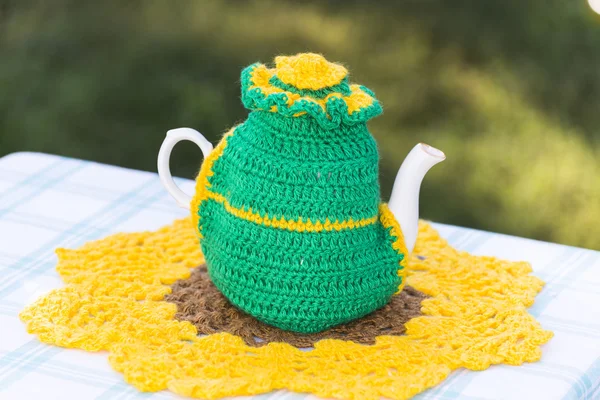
column 509, row 89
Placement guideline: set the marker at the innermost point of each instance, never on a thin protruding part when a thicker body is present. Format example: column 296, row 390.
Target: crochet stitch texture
column 200, row 302
column 476, row 316
column 288, row 207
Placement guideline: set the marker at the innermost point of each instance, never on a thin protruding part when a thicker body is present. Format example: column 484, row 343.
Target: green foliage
column 510, row 90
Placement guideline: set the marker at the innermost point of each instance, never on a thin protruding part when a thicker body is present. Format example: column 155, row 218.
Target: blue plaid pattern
column 49, row 201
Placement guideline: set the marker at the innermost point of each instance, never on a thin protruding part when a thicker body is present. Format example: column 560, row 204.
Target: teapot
column 287, row 206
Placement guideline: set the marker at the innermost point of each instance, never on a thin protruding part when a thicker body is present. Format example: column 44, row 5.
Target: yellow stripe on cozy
column 290, row 225
column 203, row 193
column 388, row 220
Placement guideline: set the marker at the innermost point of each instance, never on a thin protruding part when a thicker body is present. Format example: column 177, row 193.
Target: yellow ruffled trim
column 476, row 317
column 261, row 76
column 290, row 225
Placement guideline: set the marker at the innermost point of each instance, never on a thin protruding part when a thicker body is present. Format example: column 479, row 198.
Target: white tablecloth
column 48, row 201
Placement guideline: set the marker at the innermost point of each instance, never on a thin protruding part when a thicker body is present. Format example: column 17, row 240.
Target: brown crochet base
column 200, row 302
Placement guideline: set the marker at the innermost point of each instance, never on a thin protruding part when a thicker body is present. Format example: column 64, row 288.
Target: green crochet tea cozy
column 287, row 206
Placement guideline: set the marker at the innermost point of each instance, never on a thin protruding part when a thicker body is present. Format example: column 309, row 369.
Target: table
column 48, row 201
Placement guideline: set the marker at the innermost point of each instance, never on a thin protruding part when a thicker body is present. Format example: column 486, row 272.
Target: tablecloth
column 48, row 201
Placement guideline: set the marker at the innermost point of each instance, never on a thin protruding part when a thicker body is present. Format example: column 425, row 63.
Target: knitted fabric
column 200, row 302
column 288, row 205
column 476, row 316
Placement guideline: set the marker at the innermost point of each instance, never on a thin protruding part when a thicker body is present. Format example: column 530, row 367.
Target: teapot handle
column 174, row 136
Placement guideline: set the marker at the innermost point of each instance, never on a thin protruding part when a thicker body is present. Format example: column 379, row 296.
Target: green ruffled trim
column 336, row 112
column 343, row 87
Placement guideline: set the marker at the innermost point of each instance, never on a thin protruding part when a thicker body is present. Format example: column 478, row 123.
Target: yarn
column 288, row 207
column 476, row 316
column 327, row 97
column 200, row 302
column 309, row 71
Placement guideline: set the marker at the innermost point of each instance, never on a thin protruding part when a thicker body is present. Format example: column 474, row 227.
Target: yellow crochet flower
column 476, row 317
column 308, row 71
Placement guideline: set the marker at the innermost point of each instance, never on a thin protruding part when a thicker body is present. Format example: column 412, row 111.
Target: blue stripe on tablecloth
column 82, row 232
column 19, row 362
column 6, row 259
column 117, row 391
column 456, row 236
column 10, row 309
column 75, row 373
column 24, row 218
column 593, row 372
column 15, row 364
column 570, row 326
column 30, row 179
column 591, row 384
column 29, row 187
column 579, row 261
column 574, row 379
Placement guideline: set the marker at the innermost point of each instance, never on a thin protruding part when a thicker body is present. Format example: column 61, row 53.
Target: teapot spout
column 404, row 202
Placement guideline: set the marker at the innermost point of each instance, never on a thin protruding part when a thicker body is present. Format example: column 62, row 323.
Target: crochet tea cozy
column 287, row 206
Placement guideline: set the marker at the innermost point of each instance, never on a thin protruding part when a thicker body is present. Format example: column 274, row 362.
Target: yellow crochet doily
column 476, row 317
